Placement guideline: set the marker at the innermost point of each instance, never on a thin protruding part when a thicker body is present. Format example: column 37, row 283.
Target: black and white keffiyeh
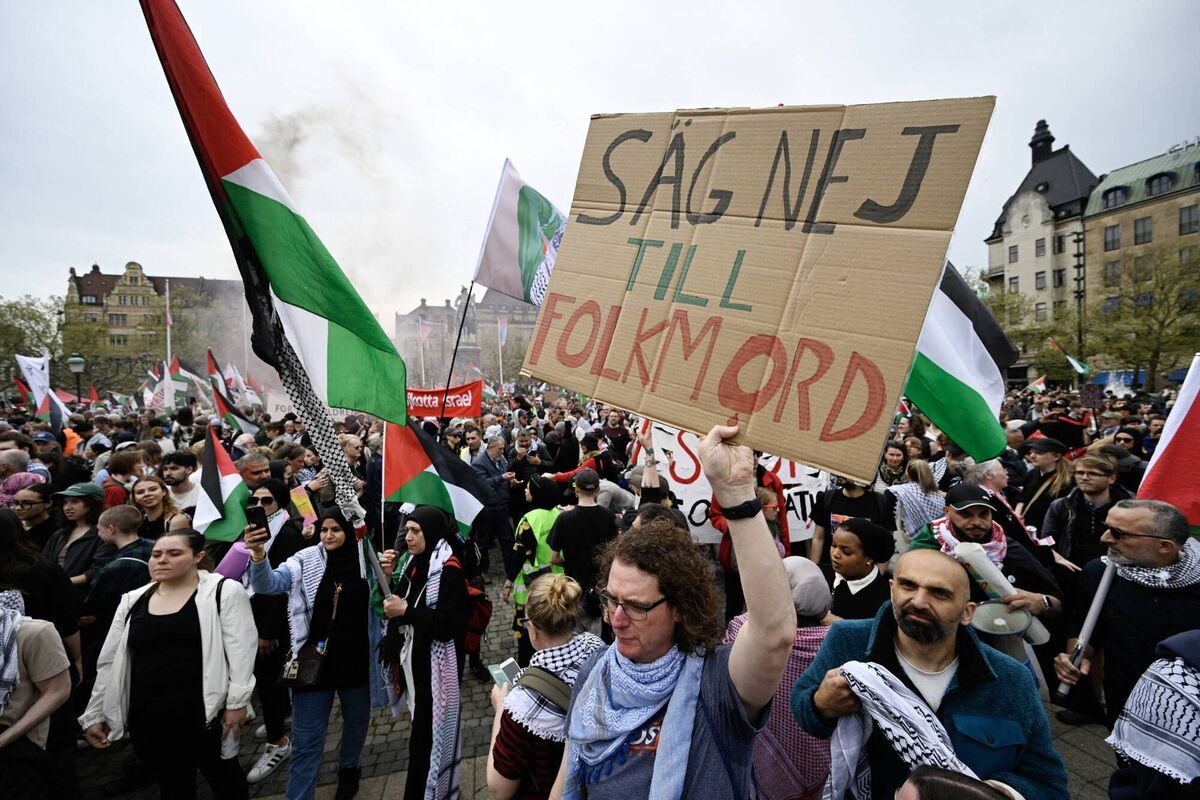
column 1160, row 725
column 533, row 711
column 12, row 613
column 1183, row 573
column 909, row 725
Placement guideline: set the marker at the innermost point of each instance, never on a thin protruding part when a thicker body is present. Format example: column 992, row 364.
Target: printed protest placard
column 460, row 401
column 678, row 461
column 304, row 505
column 771, row 266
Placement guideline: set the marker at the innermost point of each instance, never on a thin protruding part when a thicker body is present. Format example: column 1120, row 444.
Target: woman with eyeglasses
column 270, row 617
column 427, row 618
column 529, row 731
column 328, row 605
column 176, row 672
column 33, row 507
column 159, row 512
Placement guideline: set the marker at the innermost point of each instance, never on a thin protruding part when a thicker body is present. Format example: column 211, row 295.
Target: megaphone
column 1003, row 627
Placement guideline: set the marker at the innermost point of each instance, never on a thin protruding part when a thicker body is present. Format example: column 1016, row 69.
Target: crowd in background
column 119, row 619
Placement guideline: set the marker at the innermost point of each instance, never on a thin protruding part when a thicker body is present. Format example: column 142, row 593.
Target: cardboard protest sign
column 771, row 266
column 460, row 401
column 800, row 484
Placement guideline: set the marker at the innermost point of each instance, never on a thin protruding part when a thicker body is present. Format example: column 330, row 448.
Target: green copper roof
column 1183, row 166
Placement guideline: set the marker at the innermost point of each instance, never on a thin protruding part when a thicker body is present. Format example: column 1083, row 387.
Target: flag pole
column 500, row 353
column 457, row 339
column 421, row 348
column 167, row 292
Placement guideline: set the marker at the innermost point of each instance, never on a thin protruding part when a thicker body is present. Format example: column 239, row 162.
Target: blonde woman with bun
column 530, row 730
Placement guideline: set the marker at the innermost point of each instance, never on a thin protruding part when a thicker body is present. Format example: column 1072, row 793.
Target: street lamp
column 76, row 363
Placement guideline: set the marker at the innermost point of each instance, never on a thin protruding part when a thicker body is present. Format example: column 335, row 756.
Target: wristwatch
column 744, row 510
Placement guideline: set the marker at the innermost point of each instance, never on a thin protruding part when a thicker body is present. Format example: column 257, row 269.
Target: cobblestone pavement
column 385, row 756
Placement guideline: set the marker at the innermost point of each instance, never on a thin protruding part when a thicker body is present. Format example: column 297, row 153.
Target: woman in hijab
column 532, row 535
column 328, row 604
column 427, row 616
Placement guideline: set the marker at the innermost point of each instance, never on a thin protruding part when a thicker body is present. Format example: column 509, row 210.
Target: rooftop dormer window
column 1160, row 183
column 1116, row 196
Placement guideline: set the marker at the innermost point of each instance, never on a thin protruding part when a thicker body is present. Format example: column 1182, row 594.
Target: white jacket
column 229, row 644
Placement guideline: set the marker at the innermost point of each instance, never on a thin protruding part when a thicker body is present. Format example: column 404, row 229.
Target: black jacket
column 85, row 556
column 1076, row 527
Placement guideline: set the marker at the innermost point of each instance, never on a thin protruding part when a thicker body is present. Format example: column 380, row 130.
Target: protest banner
column 278, row 405
column 800, row 484
column 304, row 505
column 734, row 264
column 461, row 401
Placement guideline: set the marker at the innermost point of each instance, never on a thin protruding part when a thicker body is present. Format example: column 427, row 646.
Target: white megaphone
column 1003, row 627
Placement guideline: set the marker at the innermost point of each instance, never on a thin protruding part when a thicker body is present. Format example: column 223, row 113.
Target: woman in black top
column 860, row 548
column 33, row 505
column 428, row 606
column 76, row 547
column 159, row 512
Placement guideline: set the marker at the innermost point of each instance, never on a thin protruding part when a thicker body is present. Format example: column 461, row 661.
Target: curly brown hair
column 661, row 549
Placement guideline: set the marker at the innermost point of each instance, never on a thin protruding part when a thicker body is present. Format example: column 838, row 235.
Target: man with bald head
column 986, row 701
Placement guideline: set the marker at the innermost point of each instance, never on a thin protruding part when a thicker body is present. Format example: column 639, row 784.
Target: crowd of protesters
column 768, row 664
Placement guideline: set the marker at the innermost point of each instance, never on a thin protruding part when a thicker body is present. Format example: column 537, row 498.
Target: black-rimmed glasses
column 635, row 611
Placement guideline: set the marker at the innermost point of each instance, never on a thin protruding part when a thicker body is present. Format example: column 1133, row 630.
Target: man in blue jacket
column 986, row 701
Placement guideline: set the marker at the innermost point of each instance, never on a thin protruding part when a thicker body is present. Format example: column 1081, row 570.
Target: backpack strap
column 548, row 685
column 220, row 586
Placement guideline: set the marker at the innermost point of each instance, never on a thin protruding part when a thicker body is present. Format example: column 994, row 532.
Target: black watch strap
column 744, row 510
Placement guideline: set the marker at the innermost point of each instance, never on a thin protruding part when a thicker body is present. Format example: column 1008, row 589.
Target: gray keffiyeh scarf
column 12, row 612
column 533, row 711
column 1183, row 573
column 909, row 725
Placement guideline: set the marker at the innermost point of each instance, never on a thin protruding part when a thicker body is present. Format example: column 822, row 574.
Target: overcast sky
column 389, row 122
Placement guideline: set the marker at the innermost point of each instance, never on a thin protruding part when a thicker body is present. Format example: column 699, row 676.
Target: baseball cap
column 1045, row 444
column 963, row 496
column 82, row 490
column 587, row 479
column 44, row 436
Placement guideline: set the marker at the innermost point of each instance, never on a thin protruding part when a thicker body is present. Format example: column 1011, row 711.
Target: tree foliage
column 29, row 326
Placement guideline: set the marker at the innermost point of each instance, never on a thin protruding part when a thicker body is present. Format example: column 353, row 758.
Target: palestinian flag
column 50, row 411
column 522, row 240
column 1076, row 364
column 1171, row 475
column 93, row 398
column 23, row 390
column 474, row 373
column 288, row 274
column 1038, row 386
column 418, row 470
column 957, row 377
column 221, row 509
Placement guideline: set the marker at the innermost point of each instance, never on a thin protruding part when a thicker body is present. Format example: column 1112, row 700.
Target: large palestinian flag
column 221, row 508
column 288, row 273
column 1171, row 476
column 957, row 377
column 522, row 240
column 418, row 470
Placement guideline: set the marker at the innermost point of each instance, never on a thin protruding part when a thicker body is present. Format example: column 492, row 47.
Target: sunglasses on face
column 1123, row 439
column 1119, row 534
column 264, row 501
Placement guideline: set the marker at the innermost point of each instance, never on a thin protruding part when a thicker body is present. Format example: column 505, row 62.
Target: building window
column 1014, row 285
column 1012, row 254
column 118, row 340
column 1060, row 278
column 89, row 300
column 1112, row 273
column 1039, row 280
column 1189, row 254
column 1039, row 312
column 1060, row 244
column 1143, row 230
column 1060, row 308
column 89, row 316
column 117, row 320
column 1112, row 303
column 1159, row 184
column 1112, row 237
column 1114, row 197
column 1141, row 269
column 1189, row 219
column 1039, row 247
